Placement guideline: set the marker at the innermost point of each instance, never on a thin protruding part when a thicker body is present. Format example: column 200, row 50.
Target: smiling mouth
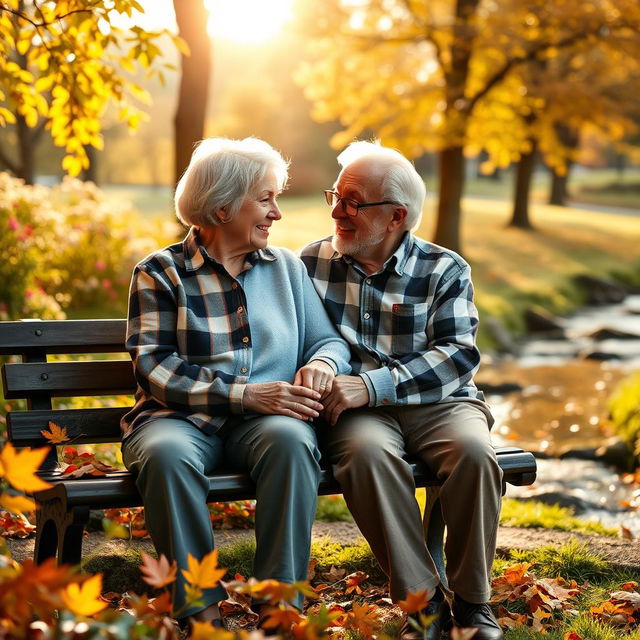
column 264, row 228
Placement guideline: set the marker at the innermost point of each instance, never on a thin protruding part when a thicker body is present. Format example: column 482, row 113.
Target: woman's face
column 249, row 228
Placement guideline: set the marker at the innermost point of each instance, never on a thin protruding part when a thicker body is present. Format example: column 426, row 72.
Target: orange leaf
column 84, row 599
column 204, row 574
column 364, row 618
column 463, row 633
column 158, row 573
column 16, row 504
column 353, row 581
column 281, row 617
column 572, row 635
column 416, row 601
column 19, row 467
column 56, row 434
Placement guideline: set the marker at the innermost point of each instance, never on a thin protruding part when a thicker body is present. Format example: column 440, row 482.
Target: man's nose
column 338, row 211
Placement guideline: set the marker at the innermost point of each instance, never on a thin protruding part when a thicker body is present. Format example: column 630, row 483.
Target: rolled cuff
column 381, row 387
column 236, row 393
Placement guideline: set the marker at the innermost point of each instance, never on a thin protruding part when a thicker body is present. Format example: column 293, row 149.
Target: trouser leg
column 282, row 458
column 366, row 449
column 170, row 459
column 453, row 439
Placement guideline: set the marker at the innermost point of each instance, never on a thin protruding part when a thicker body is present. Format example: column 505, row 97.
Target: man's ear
column 397, row 219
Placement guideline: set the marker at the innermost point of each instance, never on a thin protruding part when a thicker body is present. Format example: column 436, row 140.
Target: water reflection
column 562, row 407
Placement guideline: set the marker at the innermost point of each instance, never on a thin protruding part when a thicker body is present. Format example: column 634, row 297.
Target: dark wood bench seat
column 64, row 508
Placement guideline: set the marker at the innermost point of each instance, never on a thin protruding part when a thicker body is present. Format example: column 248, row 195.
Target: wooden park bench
column 63, row 510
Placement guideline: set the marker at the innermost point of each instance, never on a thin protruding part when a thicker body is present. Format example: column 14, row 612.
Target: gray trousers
column 367, row 447
column 171, row 457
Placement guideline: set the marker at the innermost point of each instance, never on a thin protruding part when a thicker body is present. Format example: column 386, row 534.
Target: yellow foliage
column 19, row 467
column 205, row 573
column 84, row 599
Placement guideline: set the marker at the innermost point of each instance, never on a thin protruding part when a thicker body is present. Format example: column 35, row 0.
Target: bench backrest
column 37, row 380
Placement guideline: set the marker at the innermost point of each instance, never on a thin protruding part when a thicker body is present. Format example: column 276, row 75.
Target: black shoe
column 438, row 608
column 479, row 616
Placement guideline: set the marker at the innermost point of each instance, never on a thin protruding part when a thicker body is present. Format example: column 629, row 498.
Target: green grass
column 516, row 513
column 333, row 509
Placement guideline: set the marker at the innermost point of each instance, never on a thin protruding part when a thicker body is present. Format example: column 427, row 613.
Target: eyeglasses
column 349, row 206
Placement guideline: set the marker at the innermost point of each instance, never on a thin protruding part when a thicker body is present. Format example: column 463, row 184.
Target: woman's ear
column 222, row 215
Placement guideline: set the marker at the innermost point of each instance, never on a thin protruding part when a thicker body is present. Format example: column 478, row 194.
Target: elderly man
column 405, row 306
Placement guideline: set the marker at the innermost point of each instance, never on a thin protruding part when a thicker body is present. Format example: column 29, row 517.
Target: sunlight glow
column 248, row 21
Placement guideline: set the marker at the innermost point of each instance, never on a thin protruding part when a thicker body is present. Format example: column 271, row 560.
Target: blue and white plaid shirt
column 411, row 326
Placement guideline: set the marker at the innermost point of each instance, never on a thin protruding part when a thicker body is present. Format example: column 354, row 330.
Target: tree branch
column 44, row 23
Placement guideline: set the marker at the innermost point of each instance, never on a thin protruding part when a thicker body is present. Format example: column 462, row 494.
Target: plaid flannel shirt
column 411, row 326
column 198, row 336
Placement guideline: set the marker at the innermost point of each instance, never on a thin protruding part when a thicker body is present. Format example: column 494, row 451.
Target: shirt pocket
column 409, row 325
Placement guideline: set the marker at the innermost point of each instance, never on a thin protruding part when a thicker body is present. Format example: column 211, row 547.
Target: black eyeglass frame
column 332, row 198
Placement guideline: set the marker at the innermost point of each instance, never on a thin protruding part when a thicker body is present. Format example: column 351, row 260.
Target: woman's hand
column 283, row 399
column 317, row 375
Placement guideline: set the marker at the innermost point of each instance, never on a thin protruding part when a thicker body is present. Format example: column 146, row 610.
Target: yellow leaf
column 206, row 631
column 23, row 45
column 19, row 467
column 57, row 434
column 16, row 504
column 83, row 599
column 204, row 574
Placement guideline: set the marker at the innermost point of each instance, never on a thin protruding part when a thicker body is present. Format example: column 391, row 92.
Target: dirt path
column 618, row 552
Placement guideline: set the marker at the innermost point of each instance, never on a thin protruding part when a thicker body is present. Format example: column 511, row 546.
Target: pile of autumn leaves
column 47, row 601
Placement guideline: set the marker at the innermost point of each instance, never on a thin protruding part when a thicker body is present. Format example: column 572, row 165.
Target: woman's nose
column 275, row 212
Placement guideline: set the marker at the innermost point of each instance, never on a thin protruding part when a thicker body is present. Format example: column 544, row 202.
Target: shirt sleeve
column 449, row 360
column 321, row 339
column 158, row 367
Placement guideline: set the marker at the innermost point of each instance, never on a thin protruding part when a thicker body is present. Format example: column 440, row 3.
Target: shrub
column 68, row 248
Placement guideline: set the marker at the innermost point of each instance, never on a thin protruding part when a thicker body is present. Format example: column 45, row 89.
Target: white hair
column 402, row 183
column 221, row 174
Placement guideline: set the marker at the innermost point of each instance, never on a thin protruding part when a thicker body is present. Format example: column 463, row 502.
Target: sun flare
column 248, row 21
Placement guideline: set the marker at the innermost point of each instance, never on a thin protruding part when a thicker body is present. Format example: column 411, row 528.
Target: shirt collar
column 195, row 254
column 396, row 261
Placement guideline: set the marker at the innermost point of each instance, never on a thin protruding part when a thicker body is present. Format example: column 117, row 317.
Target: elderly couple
column 247, row 355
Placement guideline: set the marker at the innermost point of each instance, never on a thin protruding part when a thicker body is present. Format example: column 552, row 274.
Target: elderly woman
column 232, row 351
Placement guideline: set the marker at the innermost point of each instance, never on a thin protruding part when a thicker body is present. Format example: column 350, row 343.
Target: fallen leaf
column 16, row 504
column 83, row 599
column 416, row 601
column 204, row 574
column 19, row 467
column 56, row 434
column 158, row 573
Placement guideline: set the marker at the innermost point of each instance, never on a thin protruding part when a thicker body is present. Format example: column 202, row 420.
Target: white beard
column 356, row 246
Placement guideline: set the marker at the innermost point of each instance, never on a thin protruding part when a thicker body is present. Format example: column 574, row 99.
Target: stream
column 552, row 400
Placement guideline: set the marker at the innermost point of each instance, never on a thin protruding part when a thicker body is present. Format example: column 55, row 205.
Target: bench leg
column 59, row 529
column 434, row 531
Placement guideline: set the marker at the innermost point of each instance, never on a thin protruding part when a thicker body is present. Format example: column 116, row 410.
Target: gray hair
column 402, row 183
column 221, row 174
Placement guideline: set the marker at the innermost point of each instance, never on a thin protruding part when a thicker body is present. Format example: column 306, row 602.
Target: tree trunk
column 189, row 121
column 524, row 173
column 558, row 192
column 451, row 184
column 92, row 172
column 26, row 151
column 569, row 138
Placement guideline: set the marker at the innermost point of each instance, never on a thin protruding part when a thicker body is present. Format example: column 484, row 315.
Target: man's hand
column 317, row 375
column 349, row 392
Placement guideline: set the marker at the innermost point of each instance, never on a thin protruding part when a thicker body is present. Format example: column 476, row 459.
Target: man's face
column 358, row 235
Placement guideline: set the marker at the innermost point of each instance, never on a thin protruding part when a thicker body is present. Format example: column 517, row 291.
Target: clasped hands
column 315, row 391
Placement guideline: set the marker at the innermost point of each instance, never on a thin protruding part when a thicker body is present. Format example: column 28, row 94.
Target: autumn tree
column 415, row 74
column 62, row 64
column 196, row 60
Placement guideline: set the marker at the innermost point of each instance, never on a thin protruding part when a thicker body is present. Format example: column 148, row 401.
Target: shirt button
column 245, row 339
column 234, row 285
column 244, row 370
column 385, row 400
column 240, row 309
column 367, row 316
column 368, row 281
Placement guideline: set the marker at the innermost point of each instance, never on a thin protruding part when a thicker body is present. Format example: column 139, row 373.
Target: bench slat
column 63, row 336
column 98, row 377
column 84, row 426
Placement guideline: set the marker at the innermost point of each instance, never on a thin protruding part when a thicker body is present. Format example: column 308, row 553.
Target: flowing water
column 561, row 410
